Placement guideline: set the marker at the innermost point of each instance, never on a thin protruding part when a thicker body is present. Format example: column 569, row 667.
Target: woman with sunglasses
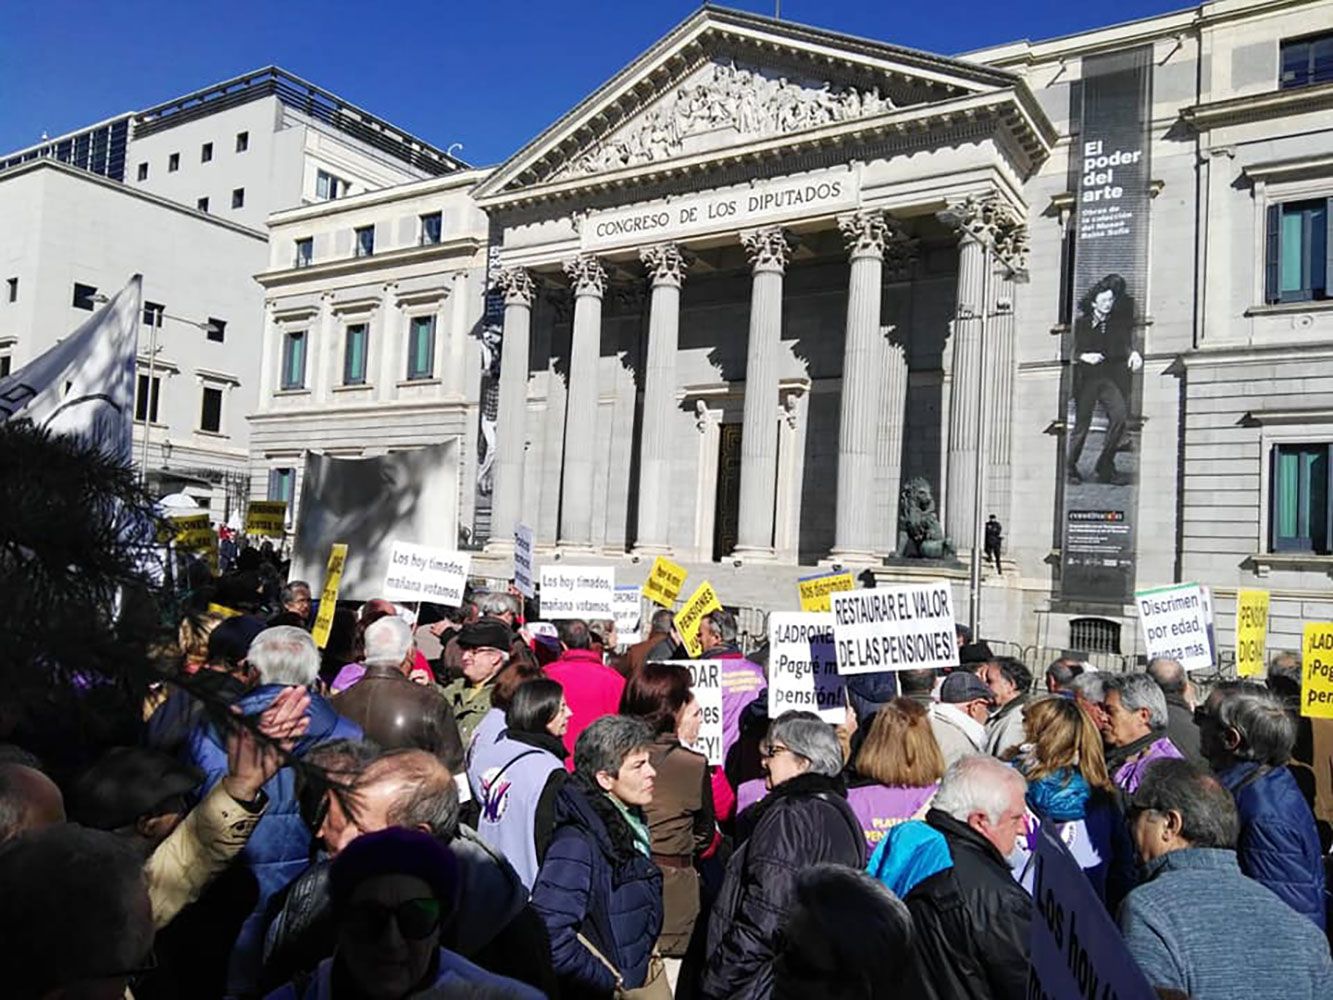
column 391, row 891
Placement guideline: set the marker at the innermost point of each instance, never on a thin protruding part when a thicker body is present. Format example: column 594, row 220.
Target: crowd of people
column 452, row 804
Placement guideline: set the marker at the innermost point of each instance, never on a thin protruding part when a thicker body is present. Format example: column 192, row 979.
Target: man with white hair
column 394, row 711
column 278, row 850
column 1135, row 728
column 969, row 915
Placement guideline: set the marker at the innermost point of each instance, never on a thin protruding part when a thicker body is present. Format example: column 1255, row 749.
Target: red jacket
column 592, row 690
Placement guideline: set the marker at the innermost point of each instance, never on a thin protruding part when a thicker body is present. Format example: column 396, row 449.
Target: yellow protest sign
column 194, row 533
column 1317, row 670
column 664, row 582
column 266, row 517
column 1251, row 632
column 703, row 601
column 328, row 599
column 815, row 590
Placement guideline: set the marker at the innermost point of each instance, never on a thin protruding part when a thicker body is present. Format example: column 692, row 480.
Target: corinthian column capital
column 984, row 218
column 768, row 249
column 865, row 233
column 666, row 264
column 516, row 285
column 586, row 274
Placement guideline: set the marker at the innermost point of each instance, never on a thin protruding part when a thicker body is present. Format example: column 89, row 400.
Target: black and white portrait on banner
column 1102, row 404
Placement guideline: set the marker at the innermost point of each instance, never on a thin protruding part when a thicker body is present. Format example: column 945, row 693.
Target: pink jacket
column 592, row 690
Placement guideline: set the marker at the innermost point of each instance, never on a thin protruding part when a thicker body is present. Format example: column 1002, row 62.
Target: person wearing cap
column 485, row 645
column 958, row 719
column 392, row 892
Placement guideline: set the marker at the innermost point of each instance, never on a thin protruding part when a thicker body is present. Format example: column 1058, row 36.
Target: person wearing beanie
column 391, row 891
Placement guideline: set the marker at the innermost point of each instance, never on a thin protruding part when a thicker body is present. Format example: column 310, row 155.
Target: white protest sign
column 1075, row 947
column 523, row 560
column 707, row 676
column 803, row 666
column 628, row 607
column 419, row 573
column 909, row 626
column 1175, row 625
column 578, row 592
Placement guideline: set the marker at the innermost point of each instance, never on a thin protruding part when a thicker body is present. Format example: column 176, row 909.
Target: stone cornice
column 370, row 265
column 1259, row 107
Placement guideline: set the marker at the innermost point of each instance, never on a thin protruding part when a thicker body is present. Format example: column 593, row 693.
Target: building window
column 1094, row 635
column 305, row 251
column 12, row 287
column 421, row 348
column 365, row 241
column 1298, row 260
column 143, row 171
column 430, row 228
column 1300, row 509
column 354, row 354
column 145, row 401
column 206, row 152
column 6, row 363
column 152, row 313
column 238, row 198
column 242, row 141
column 217, row 330
column 329, row 187
column 281, row 485
column 83, row 296
column 202, row 204
column 293, row 360
column 173, row 163
column 1306, row 61
column 210, row 417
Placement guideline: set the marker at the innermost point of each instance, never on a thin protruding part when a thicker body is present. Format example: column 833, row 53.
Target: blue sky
column 490, row 75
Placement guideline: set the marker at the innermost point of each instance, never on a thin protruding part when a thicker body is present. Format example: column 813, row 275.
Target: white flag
column 84, row 385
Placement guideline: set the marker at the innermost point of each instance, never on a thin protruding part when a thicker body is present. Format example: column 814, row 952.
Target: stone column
column 589, row 281
column 865, row 233
column 889, row 455
column 999, row 415
column 386, row 344
column 511, row 420
column 666, row 268
column 769, row 251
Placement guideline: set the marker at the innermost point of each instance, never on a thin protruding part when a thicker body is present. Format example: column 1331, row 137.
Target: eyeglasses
column 769, row 752
column 416, row 918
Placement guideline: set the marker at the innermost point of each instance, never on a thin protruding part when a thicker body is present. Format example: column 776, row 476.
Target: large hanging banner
column 1104, row 392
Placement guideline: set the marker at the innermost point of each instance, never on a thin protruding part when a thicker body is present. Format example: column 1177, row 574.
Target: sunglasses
column 416, row 918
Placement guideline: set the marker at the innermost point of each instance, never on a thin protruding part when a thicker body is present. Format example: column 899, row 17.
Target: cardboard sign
column 523, row 560
column 707, row 676
column 803, row 666
column 194, row 534
column 816, row 590
column 628, row 606
column 266, row 517
column 1075, row 947
column 910, row 626
column 1251, row 632
column 1175, row 625
column 328, row 598
column 1317, row 670
column 664, row 582
column 578, row 592
column 419, row 573
column 691, row 615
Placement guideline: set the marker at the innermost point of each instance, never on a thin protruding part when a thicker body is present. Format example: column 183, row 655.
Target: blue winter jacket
column 1279, row 843
column 595, row 881
column 279, row 848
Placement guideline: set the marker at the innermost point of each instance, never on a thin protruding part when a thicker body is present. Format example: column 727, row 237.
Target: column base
column 499, row 547
column 649, row 551
column 752, row 555
column 564, row 550
column 850, row 559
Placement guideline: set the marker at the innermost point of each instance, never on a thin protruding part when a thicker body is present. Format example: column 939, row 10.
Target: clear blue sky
column 485, row 73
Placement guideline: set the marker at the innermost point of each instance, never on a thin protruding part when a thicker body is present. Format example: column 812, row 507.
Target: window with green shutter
column 293, row 360
column 354, row 355
column 421, row 348
column 1300, row 514
column 1298, row 262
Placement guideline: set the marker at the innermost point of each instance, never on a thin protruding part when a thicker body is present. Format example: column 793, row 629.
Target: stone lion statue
column 920, row 535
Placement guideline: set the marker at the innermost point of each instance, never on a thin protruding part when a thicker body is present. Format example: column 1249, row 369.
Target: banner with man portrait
column 1102, row 401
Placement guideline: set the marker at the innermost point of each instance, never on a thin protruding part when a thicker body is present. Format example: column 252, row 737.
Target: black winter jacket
column 971, row 923
column 804, row 821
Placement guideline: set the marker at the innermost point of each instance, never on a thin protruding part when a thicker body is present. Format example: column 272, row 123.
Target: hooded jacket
column 592, row 690
column 802, row 822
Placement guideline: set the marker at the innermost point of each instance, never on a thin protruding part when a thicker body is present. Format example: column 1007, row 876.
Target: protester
column 896, row 770
column 1060, row 674
column 919, row 685
column 29, row 800
column 392, row 710
column 591, row 688
column 192, row 636
column 1135, row 727
column 804, row 820
column 392, row 892
column 680, row 815
column 973, row 657
column 1191, row 925
column 598, row 891
column 1247, row 738
column 1070, row 790
column 515, row 778
column 1312, row 756
column 970, row 917
column 508, row 608
column 417, row 667
column 658, row 644
column 958, row 719
column 742, row 680
column 1089, row 691
column 485, row 647
column 1011, row 683
column 1181, row 728
column 295, row 599
column 279, row 847
column 844, row 938
column 502, row 689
